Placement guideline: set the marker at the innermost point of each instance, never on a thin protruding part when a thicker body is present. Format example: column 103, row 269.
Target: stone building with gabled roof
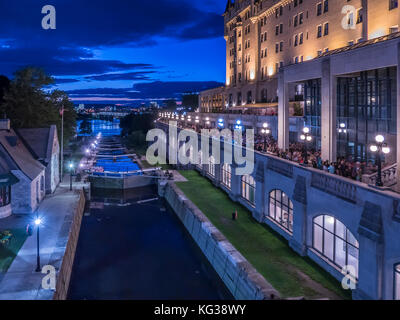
column 44, row 146
column 26, row 174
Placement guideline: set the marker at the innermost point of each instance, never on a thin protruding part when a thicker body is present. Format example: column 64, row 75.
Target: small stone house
column 44, row 146
column 26, row 174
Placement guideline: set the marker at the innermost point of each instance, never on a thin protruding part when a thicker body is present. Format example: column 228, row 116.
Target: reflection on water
column 107, row 128
column 132, row 246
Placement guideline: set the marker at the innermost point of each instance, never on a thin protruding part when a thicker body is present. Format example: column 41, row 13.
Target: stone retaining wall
column 239, row 276
column 67, row 243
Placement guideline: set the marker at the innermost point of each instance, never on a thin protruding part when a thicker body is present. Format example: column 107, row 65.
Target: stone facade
column 264, row 35
column 368, row 214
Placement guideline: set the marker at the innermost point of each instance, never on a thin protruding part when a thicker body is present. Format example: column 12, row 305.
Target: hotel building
column 268, row 40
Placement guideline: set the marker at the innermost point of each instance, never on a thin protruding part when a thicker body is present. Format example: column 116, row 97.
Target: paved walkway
column 21, row 282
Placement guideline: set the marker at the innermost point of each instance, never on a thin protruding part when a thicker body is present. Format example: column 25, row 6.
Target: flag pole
column 62, row 142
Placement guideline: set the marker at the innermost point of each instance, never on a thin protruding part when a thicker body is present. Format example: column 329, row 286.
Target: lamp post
column 306, row 137
column 71, row 167
column 379, row 148
column 38, row 221
column 265, row 132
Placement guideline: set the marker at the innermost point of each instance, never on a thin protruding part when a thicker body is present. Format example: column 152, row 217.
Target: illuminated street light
column 379, row 148
column 37, row 222
column 306, row 137
column 71, row 168
column 265, row 132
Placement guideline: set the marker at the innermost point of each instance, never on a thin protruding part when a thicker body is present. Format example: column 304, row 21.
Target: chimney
column 5, row 124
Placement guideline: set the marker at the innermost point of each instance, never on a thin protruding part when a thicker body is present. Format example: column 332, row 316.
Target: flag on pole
column 61, row 110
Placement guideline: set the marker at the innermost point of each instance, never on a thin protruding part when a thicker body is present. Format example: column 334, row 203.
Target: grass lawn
column 289, row 273
column 10, row 251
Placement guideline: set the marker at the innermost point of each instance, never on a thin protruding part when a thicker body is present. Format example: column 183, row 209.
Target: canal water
column 132, row 246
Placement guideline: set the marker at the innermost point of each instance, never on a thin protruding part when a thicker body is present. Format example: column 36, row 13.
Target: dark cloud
column 103, row 23
column 138, row 75
column 59, row 81
column 62, row 61
column 151, row 90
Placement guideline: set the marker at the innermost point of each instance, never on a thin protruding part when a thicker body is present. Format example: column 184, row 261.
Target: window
column 360, row 16
column 281, row 209
column 296, row 40
column 276, row 30
column 335, row 242
column 211, row 166
column 319, row 31
column 393, row 4
column 5, row 196
column 281, row 46
column 226, row 171
column 248, row 188
column 397, row 282
column 199, row 159
column 319, row 9
column 326, row 6
column 326, row 29
column 276, row 47
column 249, row 97
column 295, row 20
column 301, row 38
column 281, row 28
column 301, row 18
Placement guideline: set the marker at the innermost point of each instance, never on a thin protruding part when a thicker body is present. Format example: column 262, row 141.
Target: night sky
column 119, row 50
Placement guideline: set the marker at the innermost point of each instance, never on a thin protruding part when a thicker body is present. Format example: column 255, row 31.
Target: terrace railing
column 389, row 176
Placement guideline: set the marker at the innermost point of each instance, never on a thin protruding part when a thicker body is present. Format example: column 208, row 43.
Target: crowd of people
column 311, row 157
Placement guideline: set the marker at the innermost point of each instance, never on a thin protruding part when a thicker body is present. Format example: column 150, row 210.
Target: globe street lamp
column 38, row 222
column 265, row 132
column 379, row 148
column 306, row 138
column 71, row 168
column 342, row 128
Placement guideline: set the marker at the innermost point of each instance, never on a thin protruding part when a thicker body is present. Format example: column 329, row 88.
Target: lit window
column 211, row 166
column 281, row 209
column 226, row 171
column 335, row 242
column 248, row 188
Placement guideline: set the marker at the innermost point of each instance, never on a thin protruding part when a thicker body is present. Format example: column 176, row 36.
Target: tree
column 4, row 86
column 137, row 122
column 85, row 127
column 28, row 105
column 170, row 104
column 190, row 100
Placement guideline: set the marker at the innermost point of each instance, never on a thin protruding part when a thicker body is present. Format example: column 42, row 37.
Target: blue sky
column 117, row 46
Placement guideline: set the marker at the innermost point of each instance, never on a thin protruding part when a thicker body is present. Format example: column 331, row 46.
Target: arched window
column 281, row 209
column 248, row 188
column 334, row 241
column 226, row 173
column 211, row 166
column 5, row 196
column 199, row 161
column 397, row 282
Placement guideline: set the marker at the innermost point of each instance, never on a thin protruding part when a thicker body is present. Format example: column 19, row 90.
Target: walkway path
column 21, row 282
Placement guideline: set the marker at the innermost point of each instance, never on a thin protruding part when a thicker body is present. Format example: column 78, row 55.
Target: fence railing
column 335, row 186
column 389, row 176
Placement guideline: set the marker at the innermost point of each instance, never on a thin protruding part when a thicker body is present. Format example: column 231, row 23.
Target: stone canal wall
column 239, row 276
column 67, row 243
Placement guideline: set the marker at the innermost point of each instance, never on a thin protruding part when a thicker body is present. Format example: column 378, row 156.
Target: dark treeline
column 27, row 101
column 134, row 129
